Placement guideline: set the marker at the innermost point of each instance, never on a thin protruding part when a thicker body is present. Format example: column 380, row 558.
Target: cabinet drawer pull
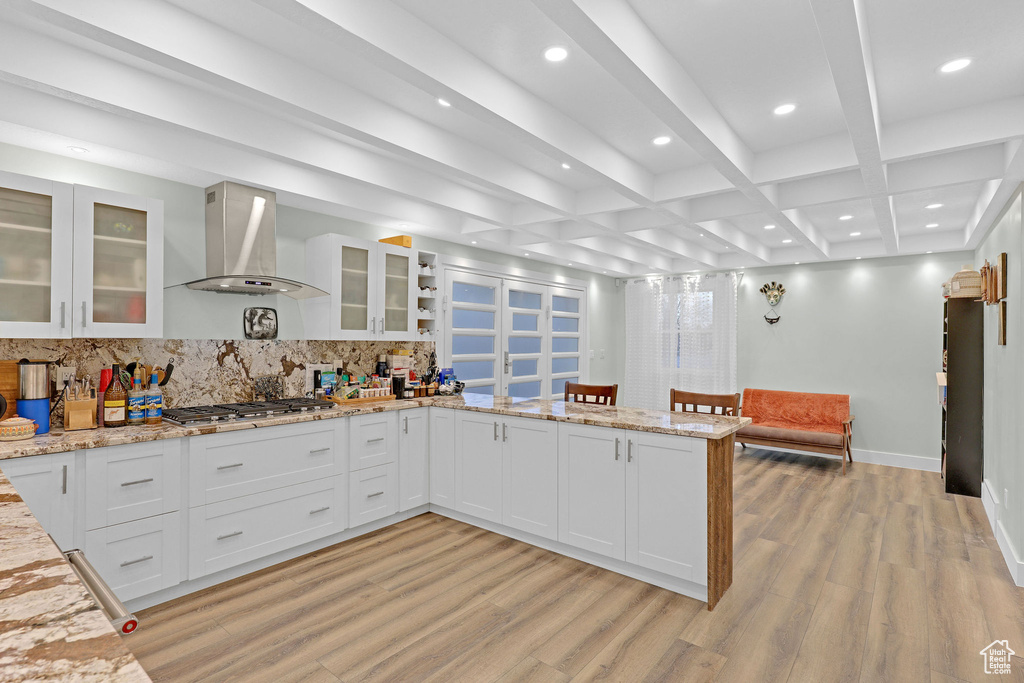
column 616, row 449
column 319, row 450
column 233, row 533
column 64, row 480
column 323, row 509
column 495, row 431
column 406, row 425
column 629, row 450
column 379, row 438
column 228, row 467
column 374, row 495
column 504, row 431
column 141, row 559
column 137, row 481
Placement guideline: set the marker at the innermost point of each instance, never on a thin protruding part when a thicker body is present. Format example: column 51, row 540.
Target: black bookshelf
column 963, row 447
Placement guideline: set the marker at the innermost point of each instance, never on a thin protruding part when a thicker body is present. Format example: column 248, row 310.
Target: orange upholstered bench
column 819, row 423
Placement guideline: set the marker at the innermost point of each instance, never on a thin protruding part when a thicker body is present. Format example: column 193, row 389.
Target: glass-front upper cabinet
column 118, row 269
column 36, row 241
column 372, row 290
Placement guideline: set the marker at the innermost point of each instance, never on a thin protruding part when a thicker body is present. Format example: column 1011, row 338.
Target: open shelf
column 125, row 290
column 25, row 283
column 24, row 228
column 120, row 240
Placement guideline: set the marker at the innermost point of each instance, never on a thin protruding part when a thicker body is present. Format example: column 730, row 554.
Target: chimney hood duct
column 241, row 244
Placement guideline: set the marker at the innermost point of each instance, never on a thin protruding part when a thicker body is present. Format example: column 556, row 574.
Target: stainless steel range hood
column 241, row 244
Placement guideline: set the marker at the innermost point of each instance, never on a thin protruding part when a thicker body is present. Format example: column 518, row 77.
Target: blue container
column 37, row 409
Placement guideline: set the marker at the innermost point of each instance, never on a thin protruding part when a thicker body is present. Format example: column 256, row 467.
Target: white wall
column 870, row 328
column 190, row 314
column 1004, row 382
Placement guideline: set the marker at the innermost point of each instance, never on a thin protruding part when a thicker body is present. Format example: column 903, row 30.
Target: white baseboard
column 908, row 462
column 1010, row 555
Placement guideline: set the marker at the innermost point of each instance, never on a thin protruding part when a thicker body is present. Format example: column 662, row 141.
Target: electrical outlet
column 61, row 373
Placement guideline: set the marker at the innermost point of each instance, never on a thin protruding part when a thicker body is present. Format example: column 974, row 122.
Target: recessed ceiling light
column 854, row 234
column 225, row 285
column 932, row 225
column 526, row 253
column 78, row 150
column 702, row 234
column 282, row 290
column 954, row 65
column 797, row 263
column 927, row 252
column 858, row 258
column 556, row 53
column 846, row 217
column 934, row 206
column 604, row 272
column 662, row 140
column 443, row 102
column 473, row 242
column 769, row 227
column 566, row 166
column 784, row 109
column 569, row 264
column 786, row 241
column 403, row 225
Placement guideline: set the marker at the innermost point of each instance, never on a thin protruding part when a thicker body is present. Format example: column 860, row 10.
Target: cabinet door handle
column 319, row 450
column 507, row 363
column 137, row 481
column 63, row 305
column 379, row 438
column 323, row 509
column 406, row 428
column 233, row 533
column 629, row 450
column 374, row 495
column 83, row 315
column 495, row 431
column 228, row 467
column 504, row 431
column 616, row 448
column 64, row 480
column 141, row 559
column 373, row 325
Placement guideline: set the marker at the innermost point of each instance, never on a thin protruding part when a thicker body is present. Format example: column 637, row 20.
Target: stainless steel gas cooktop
column 196, row 415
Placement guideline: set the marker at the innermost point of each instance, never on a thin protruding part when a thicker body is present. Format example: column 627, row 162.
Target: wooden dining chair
column 601, row 394
column 718, row 404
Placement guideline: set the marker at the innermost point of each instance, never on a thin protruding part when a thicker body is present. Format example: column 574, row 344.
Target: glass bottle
column 115, row 400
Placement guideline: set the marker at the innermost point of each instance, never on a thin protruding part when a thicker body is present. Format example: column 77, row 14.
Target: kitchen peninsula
column 641, row 492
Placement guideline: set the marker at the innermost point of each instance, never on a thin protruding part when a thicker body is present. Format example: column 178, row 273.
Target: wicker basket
column 965, row 284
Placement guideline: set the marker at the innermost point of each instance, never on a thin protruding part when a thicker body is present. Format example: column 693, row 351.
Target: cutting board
column 9, row 386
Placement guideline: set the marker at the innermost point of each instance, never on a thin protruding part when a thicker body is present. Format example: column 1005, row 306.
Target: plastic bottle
column 137, row 403
column 154, row 402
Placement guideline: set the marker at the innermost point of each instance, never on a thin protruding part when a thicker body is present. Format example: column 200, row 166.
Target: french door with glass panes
column 513, row 338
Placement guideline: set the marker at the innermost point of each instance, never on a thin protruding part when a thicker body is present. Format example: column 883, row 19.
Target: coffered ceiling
column 337, row 105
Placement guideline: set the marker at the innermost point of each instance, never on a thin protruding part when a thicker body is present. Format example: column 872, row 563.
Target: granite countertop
column 52, row 629
column 659, row 421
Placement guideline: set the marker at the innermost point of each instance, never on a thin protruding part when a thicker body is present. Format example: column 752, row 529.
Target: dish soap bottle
column 154, row 402
column 115, row 400
column 136, row 403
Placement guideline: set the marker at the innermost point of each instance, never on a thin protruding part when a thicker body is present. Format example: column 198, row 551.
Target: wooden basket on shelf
column 965, row 284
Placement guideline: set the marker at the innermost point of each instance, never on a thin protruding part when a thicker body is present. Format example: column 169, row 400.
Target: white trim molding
column 1010, row 554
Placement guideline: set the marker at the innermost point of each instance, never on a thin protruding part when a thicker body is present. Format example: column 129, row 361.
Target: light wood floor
column 878, row 576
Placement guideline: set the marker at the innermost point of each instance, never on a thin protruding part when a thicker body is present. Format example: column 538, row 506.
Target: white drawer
column 235, row 464
column 233, row 532
column 373, row 494
column 134, row 481
column 138, row 558
column 373, row 440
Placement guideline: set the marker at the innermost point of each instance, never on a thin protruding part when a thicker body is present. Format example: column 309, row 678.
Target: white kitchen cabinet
column 478, row 465
column 235, row 531
column 413, row 458
column 373, row 494
column 234, row 464
column 47, row 485
column 372, row 286
column 36, row 247
column 137, row 558
column 530, row 475
column 666, row 481
column 373, row 440
column 592, row 489
column 132, row 482
column 118, row 265
column 442, row 457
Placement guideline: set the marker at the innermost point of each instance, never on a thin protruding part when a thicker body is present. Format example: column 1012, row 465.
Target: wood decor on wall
column 993, row 291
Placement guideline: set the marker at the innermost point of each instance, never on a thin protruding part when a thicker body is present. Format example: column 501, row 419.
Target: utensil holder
column 79, row 414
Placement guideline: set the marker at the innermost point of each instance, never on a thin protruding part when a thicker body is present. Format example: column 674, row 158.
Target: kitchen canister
column 34, row 393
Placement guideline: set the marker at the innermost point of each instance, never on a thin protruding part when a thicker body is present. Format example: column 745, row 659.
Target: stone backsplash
column 210, row 370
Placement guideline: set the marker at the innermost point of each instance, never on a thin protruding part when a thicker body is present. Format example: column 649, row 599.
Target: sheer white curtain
column 680, row 333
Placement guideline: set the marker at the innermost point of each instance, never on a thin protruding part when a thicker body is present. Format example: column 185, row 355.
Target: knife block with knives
column 79, row 414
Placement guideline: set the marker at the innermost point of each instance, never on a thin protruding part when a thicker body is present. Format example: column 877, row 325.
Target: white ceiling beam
column 979, row 124
column 820, row 189
column 939, row 170
column 844, row 37
column 799, row 218
column 741, row 241
column 664, row 239
column 996, row 196
column 267, row 78
column 616, row 38
column 564, row 253
column 653, row 257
